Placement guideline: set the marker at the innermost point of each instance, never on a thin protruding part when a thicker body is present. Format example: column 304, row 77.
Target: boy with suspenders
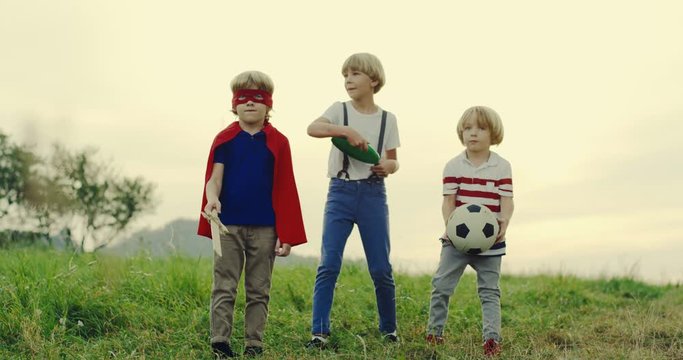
column 357, row 194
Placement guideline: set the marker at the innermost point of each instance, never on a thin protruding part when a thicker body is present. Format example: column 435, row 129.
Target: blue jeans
column 363, row 202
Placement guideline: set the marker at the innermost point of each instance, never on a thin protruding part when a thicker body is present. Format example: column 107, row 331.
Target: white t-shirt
column 368, row 125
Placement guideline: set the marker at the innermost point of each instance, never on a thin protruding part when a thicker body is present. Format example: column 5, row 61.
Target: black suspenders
column 344, row 171
column 345, row 166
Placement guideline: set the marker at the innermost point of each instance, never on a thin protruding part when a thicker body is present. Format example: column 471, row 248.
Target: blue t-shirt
column 246, row 193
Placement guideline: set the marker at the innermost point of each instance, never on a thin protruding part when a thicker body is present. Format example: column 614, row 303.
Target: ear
column 374, row 83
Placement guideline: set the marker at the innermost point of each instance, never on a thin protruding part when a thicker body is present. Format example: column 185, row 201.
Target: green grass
column 57, row 306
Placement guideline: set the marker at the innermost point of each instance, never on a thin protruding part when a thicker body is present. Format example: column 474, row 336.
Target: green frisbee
column 370, row 156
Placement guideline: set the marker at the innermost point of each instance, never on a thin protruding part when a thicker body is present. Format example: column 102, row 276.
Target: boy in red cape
column 250, row 183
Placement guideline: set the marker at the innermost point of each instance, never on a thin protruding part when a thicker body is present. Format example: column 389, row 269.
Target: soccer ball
column 472, row 228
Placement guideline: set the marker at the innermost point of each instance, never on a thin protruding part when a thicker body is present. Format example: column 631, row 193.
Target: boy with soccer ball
column 476, row 176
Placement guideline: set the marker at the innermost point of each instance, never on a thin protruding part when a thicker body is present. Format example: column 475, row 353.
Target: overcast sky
column 589, row 93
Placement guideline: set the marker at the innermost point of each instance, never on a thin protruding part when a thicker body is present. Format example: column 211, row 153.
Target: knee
column 442, row 287
column 257, row 297
column 220, row 295
column 382, row 275
column 488, row 294
column 329, row 268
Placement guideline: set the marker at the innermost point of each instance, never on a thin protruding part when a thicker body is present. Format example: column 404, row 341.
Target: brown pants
column 251, row 248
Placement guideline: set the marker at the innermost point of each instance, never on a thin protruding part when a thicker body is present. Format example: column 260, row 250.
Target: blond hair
column 486, row 118
column 368, row 64
column 252, row 78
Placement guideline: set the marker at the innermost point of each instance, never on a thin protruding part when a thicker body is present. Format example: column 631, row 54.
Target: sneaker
column 390, row 337
column 491, row 347
column 253, row 351
column 318, row 342
column 222, row 350
column 435, row 339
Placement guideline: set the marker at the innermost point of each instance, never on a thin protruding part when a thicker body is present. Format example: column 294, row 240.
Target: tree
column 69, row 192
column 103, row 202
column 15, row 165
column 46, row 204
column 29, row 198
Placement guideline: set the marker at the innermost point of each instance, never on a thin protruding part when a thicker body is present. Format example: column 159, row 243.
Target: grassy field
column 57, row 306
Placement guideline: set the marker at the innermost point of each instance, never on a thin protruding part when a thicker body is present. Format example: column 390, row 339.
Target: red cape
column 289, row 223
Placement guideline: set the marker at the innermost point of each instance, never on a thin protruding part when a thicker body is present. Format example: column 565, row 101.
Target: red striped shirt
column 477, row 181
column 483, row 185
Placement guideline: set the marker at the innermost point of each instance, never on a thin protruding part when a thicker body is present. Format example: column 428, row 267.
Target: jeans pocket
column 379, row 190
column 336, row 184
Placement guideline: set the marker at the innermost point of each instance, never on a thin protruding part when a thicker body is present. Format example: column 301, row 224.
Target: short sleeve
column 220, row 155
column 334, row 113
column 392, row 140
column 450, row 179
column 505, row 182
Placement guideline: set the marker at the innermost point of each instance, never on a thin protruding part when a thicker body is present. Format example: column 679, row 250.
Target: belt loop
column 341, row 173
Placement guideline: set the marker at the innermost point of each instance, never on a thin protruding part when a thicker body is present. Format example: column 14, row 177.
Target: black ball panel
column 488, row 230
column 462, row 230
column 474, row 208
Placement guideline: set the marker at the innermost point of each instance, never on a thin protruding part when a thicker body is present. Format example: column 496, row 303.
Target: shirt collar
column 258, row 134
column 492, row 161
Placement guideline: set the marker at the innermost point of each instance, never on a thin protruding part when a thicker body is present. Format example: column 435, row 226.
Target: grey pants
column 451, row 266
column 251, row 248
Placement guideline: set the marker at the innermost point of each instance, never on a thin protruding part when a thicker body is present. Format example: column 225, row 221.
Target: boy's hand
column 503, row 226
column 385, row 167
column 282, row 249
column 355, row 139
column 212, row 204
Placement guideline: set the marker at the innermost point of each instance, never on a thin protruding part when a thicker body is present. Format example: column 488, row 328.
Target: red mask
column 243, row 96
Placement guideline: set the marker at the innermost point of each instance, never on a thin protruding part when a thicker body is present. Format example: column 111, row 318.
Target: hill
column 96, row 306
column 178, row 237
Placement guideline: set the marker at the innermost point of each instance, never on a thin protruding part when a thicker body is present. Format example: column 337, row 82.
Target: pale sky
column 589, row 93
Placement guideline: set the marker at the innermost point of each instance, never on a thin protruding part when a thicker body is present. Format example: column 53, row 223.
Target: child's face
column 475, row 136
column 251, row 109
column 358, row 84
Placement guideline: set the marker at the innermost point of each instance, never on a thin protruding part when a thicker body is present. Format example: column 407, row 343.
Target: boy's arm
column 447, row 208
column 213, row 188
column 507, row 207
column 322, row 127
